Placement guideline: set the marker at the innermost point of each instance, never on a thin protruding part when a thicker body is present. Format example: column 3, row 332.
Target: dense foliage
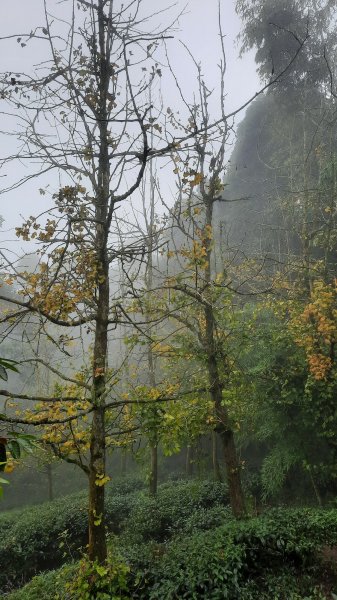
column 278, row 554
column 43, row 537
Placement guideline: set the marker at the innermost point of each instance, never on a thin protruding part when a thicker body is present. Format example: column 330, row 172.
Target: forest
column 168, row 308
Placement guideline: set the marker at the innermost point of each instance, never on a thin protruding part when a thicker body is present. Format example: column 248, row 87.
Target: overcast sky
column 198, row 28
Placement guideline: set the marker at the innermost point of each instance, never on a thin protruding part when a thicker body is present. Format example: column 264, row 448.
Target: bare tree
column 84, row 117
column 193, row 275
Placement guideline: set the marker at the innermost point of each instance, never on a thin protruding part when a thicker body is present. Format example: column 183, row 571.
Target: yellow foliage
column 197, row 179
column 102, row 480
column 315, row 328
column 9, row 467
column 162, row 348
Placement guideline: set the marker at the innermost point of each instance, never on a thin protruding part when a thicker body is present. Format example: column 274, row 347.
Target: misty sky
column 197, row 28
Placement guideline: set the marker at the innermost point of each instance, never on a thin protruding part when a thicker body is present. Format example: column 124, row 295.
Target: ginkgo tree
column 196, row 290
column 82, row 120
column 83, row 115
column 192, row 287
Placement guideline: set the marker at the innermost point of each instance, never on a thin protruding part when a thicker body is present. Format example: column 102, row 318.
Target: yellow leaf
column 9, row 468
column 102, row 480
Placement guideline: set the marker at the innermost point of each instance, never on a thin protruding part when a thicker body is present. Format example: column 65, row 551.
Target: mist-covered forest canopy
column 168, row 410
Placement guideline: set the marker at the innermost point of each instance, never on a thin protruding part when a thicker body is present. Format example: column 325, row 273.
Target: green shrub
column 126, row 485
column 250, row 560
column 174, row 545
column 170, row 512
column 46, row 585
column 285, row 585
column 93, row 581
column 271, row 557
column 204, row 566
column 32, row 544
column 44, row 536
column 203, row 519
column 7, row 519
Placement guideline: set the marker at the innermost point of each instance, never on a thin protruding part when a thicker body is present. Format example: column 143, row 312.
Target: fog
column 222, row 264
column 196, row 28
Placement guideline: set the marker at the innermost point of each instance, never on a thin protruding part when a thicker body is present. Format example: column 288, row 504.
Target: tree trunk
column 215, row 461
column 154, row 470
column 236, row 497
column 315, row 488
column 189, row 461
column 214, row 357
column 198, row 459
column 233, row 469
column 150, row 356
column 49, row 472
column 223, row 428
column 97, row 550
column 123, row 462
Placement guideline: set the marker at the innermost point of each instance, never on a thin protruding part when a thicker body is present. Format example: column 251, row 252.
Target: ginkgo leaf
column 3, row 373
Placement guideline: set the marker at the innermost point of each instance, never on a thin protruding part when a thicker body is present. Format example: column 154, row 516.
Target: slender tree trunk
column 97, row 540
column 123, row 462
column 189, row 461
column 154, row 470
column 199, row 456
column 315, row 488
column 97, row 549
column 153, row 483
column 49, row 471
column 215, row 460
column 223, row 427
column 233, row 473
column 307, row 222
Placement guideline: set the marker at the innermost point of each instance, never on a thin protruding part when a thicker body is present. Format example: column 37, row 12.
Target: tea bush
column 183, row 545
column 271, row 557
column 46, row 586
column 43, row 537
column 250, row 560
column 172, row 510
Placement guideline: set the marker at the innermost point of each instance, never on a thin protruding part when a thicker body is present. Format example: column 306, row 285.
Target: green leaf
column 3, row 373
column 14, row 448
column 9, row 364
column 23, row 436
column 25, row 441
column 27, row 445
